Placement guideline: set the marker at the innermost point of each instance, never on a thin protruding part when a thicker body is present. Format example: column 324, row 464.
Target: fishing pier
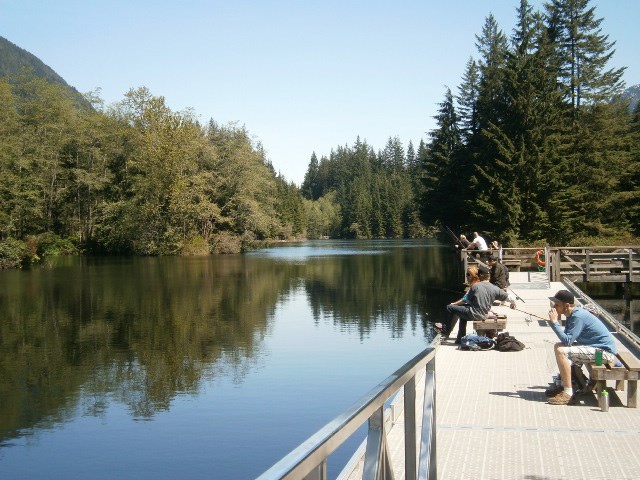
column 454, row 414
column 578, row 264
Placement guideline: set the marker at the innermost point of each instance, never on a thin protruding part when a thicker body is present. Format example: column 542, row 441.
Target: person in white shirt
column 479, row 241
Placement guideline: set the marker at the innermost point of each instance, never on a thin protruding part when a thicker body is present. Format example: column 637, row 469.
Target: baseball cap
column 563, row 296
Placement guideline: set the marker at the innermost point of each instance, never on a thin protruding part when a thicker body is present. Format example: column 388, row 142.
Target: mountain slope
column 14, row 60
column 633, row 95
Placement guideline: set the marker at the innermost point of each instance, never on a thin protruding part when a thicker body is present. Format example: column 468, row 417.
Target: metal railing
column 625, row 334
column 309, row 460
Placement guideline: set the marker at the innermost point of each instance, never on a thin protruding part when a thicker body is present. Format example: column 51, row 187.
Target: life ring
column 539, row 260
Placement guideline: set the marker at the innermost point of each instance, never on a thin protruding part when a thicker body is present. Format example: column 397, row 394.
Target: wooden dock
column 493, row 421
column 619, row 264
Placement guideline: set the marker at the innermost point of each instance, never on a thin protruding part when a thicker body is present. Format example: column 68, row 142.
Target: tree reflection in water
column 139, row 331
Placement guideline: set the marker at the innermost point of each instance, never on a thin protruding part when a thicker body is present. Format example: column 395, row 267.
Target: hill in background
column 633, row 95
column 14, row 60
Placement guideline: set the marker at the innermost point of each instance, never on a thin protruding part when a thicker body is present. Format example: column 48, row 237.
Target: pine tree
column 311, row 188
column 591, row 151
column 480, row 198
column 441, row 176
column 468, row 101
column 584, row 53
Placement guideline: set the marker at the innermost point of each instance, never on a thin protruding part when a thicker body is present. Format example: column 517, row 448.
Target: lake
column 204, row 367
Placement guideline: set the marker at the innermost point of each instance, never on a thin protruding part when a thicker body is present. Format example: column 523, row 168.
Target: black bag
column 508, row 343
column 476, row 342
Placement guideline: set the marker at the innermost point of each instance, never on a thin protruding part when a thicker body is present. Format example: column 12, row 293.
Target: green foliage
column 14, row 254
column 49, row 244
column 536, row 145
column 136, row 178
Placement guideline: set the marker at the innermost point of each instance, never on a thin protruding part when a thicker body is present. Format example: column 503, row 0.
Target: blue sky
column 301, row 76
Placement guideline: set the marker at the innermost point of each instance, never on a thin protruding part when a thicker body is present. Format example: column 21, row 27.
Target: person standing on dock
column 585, row 330
column 499, row 273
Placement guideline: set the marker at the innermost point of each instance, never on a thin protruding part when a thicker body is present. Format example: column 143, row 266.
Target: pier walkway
column 493, row 421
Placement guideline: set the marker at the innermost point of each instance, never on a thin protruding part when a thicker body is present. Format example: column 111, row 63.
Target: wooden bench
column 489, row 324
column 630, row 371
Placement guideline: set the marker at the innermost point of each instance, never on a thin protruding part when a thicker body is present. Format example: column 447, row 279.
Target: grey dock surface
column 493, row 419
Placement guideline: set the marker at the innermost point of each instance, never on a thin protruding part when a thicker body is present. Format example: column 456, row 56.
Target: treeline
column 367, row 194
column 537, row 145
column 132, row 178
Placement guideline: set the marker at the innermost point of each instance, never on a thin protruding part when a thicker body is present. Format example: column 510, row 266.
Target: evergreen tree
column 468, row 101
column 490, row 108
column 442, row 188
column 311, row 188
column 583, row 52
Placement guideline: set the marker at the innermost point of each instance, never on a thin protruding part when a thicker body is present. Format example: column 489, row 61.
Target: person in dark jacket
column 499, row 275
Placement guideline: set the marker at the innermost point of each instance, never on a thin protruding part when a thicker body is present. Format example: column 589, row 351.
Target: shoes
column 457, row 342
column 438, row 327
column 553, row 390
column 562, row 399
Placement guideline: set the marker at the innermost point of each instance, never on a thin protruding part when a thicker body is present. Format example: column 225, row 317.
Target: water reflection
column 85, row 334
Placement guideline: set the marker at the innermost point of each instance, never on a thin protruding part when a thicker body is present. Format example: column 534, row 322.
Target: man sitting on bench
column 582, row 328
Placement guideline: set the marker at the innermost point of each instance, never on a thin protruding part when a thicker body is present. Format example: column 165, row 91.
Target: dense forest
column 539, row 144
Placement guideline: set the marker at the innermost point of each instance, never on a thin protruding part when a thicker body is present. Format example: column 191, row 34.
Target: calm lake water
column 208, row 367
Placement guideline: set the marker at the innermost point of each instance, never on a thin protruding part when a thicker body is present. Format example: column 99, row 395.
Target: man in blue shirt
column 582, row 336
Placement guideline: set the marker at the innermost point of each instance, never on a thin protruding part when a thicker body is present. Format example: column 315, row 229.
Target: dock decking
column 493, row 421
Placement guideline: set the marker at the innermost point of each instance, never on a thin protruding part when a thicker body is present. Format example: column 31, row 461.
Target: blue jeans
column 455, row 312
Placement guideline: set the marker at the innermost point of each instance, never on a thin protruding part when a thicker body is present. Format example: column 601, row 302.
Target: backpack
column 476, row 342
column 508, row 343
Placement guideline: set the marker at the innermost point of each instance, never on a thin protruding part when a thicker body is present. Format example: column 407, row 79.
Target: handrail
column 618, row 326
column 583, row 262
column 308, row 460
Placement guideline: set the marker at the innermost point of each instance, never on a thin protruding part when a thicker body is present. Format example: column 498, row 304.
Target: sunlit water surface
column 208, row 367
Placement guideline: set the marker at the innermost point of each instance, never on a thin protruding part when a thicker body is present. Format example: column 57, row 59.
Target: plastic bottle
column 598, row 357
column 604, row 401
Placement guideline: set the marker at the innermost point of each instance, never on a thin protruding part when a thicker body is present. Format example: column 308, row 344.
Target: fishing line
column 530, row 314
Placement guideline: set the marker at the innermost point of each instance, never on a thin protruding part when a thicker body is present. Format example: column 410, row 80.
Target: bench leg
column 632, row 394
column 600, row 386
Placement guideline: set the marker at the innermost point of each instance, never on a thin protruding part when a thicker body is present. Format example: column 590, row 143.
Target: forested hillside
column 136, row 178
column 537, row 144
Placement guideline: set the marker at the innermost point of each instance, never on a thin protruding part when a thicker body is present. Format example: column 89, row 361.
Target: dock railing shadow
column 309, row 460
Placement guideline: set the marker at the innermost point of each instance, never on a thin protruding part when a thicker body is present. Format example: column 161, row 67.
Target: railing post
column 428, row 467
column 377, row 464
column 587, row 264
column 410, row 429
column 318, row 473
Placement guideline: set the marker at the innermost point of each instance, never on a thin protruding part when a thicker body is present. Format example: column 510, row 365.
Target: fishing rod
column 530, row 314
column 453, row 236
column 518, row 297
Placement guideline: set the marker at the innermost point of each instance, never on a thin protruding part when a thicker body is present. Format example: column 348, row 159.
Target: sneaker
column 553, row 390
column 561, row 399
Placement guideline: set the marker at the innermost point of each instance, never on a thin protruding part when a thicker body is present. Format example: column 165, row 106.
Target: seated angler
column 582, row 336
column 479, row 300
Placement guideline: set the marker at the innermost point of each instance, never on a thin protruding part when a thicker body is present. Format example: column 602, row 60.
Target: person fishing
column 499, row 274
column 582, row 336
column 479, row 300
